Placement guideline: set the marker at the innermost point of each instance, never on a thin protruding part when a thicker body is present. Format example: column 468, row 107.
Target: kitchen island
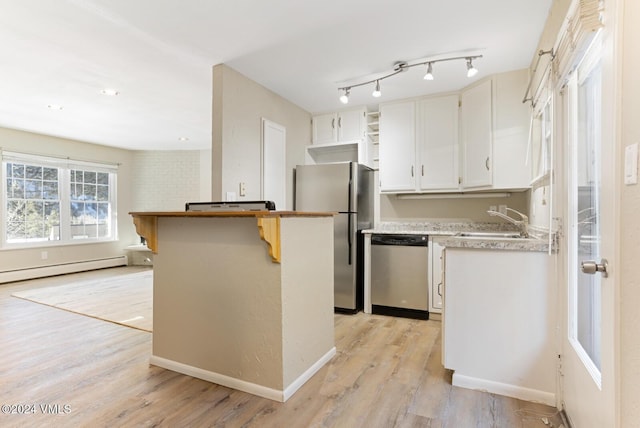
column 243, row 299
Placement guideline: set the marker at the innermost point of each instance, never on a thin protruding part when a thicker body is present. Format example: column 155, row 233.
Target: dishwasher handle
column 401, row 240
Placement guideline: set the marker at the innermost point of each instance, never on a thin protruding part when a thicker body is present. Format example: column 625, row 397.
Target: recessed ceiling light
column 54, row 107
column 109, row 91
column 183, row 139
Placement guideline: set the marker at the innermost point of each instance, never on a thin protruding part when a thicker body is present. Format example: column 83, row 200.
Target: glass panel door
column 586, row 327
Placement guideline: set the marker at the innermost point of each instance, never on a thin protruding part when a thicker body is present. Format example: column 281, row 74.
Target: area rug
column 124, row 299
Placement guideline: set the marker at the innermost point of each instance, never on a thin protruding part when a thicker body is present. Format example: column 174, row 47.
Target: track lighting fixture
column 344, row 98
column 405, row 66
column 429, row 75
column 471, row 70
column 376, row 92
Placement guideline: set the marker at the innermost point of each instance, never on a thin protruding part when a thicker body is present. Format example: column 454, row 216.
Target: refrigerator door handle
column 349, row 243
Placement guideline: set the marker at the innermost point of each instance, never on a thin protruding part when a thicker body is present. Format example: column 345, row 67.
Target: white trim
column 308, row 374
column 52, row 160
column 242, row 385
column 508, row 390
column 43, row 271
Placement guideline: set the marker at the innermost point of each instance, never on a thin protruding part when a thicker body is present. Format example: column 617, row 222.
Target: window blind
column 582, row 23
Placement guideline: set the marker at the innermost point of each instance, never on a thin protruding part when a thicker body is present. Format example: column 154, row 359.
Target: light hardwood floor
column 387, row 373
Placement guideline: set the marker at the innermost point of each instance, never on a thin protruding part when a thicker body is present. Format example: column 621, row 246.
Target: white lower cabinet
column 499, row 322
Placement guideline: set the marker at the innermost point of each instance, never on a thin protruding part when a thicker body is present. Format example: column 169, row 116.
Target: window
column 47, row 201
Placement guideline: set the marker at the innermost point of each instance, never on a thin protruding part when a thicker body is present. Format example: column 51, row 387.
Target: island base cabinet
column 225, row 312
column 499, row 323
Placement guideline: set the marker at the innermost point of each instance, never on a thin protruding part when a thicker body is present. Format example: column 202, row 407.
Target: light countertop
column 445, row 234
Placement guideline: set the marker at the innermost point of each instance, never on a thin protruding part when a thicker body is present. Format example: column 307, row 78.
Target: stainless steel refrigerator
column 347, row 189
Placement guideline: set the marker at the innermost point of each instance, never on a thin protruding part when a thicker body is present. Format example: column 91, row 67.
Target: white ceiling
column 159, row 53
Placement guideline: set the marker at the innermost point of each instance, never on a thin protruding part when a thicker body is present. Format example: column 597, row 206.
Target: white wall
column 166, row 180
column 26, row 142
column 629, row 298
column 239, row 104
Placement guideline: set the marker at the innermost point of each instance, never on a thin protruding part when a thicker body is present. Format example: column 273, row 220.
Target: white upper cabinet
column 512, row 120
column 494, row 133
column 344, row 126
column 419, row 145
column 437, row 143
column 344, row 136
column 476, row 136
column 325, row 128
column 351, row 125
column 397, row 147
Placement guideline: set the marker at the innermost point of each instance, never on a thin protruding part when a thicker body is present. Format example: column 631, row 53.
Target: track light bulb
column 376, row 92
column 429, row 75
column 471, row 70
column 344, row 98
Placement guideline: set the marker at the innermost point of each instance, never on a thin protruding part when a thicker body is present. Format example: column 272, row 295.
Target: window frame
column 64, row 166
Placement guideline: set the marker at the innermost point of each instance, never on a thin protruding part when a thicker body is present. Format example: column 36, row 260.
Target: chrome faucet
column 523, row 223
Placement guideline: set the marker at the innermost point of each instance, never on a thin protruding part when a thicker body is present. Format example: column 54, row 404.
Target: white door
column 397, row 147
column 437, row 136
column 325, row 129
column 588, row 343
column 351, row 125
column 476, row 117
column 274, row 177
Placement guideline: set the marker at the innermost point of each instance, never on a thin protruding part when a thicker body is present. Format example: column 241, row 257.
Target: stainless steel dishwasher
column 399, row 275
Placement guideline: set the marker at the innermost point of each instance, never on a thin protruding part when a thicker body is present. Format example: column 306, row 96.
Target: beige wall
column 26, row 142
column 459, row 209
column 629, row 298
column 239, row 104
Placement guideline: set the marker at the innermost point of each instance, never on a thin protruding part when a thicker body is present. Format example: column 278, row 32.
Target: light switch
column 631, row 164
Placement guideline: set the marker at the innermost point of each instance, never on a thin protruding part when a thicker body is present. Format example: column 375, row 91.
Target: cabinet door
column 325, row 128
column 351, row 125
column 476, row 127
column 397, row 147
column 437, row 143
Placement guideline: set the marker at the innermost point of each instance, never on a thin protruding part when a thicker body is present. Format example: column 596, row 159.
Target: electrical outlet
column 243, row 189
column 502, row 209
column 492, row 207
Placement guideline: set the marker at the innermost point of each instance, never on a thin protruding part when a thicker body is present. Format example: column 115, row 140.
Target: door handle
column 591, row 267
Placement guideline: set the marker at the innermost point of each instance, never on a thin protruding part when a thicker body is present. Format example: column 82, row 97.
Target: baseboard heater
column 60, row 269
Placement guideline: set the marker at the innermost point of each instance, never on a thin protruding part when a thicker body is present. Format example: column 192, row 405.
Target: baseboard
column 308, row 374
column 508, row 390
column 241, row 385
column 60, row 269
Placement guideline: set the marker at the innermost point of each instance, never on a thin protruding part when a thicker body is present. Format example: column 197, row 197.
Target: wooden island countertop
column 268, row 222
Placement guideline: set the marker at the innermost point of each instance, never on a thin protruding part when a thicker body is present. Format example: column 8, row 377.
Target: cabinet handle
column 333, row 124
column 440, row 289
column 412, row 170
column 423, row 170
column 486, row 163
column 340, row 122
